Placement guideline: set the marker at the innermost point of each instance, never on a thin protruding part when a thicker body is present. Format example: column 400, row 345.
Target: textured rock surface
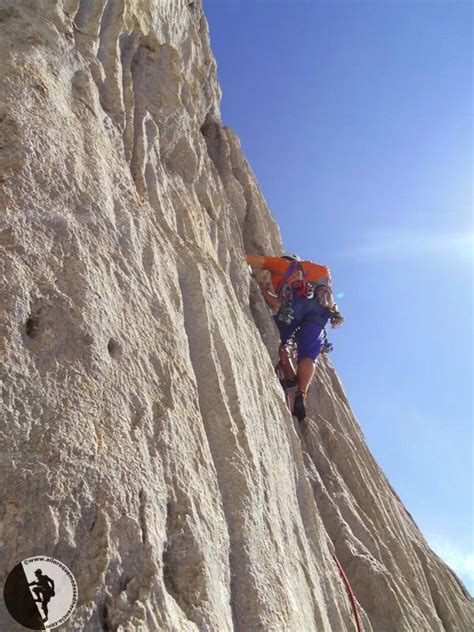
column 145, row 440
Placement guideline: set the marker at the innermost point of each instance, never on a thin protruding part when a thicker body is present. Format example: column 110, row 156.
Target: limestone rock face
column 145, row 440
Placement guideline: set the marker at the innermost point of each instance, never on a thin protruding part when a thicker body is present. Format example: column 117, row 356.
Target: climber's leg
column 309, row 345
column 286, row 331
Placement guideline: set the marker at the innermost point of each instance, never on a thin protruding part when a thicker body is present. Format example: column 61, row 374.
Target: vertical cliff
column 145, row 440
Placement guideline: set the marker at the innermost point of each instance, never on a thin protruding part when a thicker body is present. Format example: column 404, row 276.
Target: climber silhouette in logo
column 44, row 590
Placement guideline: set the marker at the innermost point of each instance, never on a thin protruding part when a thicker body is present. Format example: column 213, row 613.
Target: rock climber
column 304, row 300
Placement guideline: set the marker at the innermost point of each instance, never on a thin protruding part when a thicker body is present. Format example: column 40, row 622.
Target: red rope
column 350, row 593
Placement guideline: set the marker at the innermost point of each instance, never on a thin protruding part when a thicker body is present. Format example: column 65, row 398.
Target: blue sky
column 356, row 118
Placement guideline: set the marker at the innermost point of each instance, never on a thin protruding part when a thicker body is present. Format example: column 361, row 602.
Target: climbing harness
column 289, row 288
column 350, row 593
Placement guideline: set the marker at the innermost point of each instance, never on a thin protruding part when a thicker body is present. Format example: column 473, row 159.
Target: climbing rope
column 350, row 593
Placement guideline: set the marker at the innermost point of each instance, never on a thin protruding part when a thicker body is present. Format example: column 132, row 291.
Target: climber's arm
column 256, row 261
column 270, row 298
column 276, row 265
column 261, row 263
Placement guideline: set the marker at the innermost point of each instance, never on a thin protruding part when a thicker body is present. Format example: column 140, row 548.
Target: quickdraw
column 327, row 346
column 286, row 313
column 336, row 317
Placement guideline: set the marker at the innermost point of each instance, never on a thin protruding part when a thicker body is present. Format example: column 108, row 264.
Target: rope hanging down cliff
column 350, row 593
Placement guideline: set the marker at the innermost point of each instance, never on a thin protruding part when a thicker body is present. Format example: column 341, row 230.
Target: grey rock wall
column 145, row 440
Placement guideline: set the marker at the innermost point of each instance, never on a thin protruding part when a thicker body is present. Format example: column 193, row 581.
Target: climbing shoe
column 299, row 410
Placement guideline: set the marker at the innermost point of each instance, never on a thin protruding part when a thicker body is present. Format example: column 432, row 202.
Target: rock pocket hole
column 104, row 618
column 32, row 327
column 114, row 348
